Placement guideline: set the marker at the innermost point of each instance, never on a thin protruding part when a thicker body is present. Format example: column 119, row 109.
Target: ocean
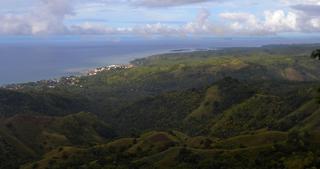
column 36, row 59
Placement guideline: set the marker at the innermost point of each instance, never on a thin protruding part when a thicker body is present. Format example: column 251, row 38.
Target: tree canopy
column 316, row 54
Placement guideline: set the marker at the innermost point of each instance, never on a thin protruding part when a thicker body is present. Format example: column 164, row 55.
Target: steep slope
column 25, row 137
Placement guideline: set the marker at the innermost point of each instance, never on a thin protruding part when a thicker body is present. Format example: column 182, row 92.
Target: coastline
column 129, row 58
column 72, row 78
column 82, row 71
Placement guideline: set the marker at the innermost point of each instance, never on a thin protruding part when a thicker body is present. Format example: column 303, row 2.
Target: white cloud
column 309, row 16
column 46, row 19
column 315, row 23
column 166, row 3
column 280, row 21
column 304, row 19
column 50, row 17
column 202, row 25
column 244, row 23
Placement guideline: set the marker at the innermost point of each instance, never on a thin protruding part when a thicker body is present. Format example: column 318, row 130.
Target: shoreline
column 126, row 60
column 125, row 64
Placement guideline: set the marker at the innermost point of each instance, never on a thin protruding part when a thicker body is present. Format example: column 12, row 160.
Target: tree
column 318, row 97
column 316, row 54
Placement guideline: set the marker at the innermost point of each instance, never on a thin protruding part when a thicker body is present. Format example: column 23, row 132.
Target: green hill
column 228, row 108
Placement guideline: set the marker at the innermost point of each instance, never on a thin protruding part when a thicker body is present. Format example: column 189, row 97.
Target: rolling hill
column 228, row 108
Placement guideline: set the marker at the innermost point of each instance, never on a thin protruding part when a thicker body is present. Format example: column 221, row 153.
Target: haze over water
column 31, row 60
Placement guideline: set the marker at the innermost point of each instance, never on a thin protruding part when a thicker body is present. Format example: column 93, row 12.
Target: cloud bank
column 51, row 15
column 47, row 19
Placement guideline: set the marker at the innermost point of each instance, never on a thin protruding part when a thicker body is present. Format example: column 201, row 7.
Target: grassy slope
column 156, row 152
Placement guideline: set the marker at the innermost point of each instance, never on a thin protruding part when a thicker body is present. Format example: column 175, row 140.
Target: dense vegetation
column 229, row 108
column 316, row 54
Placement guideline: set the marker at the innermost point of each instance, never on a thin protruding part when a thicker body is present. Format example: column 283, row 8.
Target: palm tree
column 316, row 54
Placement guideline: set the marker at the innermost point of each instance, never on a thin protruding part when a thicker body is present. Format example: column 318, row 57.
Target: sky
column 164, row 18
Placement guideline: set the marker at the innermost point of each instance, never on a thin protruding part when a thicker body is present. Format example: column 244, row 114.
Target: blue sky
column 149, row 18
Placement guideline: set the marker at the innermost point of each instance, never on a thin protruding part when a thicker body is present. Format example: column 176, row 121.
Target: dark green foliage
column 316, row 54
column 40, row 103
column 28, row 137
column 83, row 128
column 187, row 156
column 318, row 96
column 9, row 156
column 163, row 112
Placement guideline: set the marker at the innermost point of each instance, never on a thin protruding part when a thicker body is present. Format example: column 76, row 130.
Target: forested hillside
column 228, row 108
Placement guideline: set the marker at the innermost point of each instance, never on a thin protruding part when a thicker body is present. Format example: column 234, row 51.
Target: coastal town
column 109, row 68
column 67, row 80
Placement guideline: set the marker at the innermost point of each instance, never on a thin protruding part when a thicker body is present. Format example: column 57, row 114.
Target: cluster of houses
column 42, row 83
column 12, row 87
column 69, row 80
column 108, row 68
